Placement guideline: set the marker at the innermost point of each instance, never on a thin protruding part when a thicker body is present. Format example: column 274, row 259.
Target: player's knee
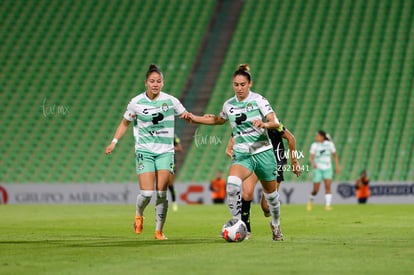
column 247, row 196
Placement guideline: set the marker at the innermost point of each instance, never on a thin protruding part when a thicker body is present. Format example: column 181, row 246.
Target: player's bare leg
column 171, row 179
column 328, row 194
column 314, row 192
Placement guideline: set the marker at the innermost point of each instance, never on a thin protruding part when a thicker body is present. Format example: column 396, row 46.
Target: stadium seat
column 90, row 57
column 341, row 66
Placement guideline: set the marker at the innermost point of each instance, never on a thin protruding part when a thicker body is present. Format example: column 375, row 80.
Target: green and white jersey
column 323, row 152
column 241, row 114
column 154, row 121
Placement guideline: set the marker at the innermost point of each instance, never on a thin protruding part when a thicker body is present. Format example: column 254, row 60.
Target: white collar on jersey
column 149, row 99
column 247, row 97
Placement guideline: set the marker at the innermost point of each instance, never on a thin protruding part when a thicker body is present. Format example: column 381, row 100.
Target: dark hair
column 324, row 134
column 154, row 69
column 243, row 70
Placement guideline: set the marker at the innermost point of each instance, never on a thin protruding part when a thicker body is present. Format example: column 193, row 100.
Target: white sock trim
column 274, row 195
column 147, row 193
column 234, row 180
column 162, row 194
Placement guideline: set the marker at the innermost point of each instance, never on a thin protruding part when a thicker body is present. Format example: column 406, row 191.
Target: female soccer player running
column 320, row 158
column 276, row 137
column 250, row 115
column 152, row 113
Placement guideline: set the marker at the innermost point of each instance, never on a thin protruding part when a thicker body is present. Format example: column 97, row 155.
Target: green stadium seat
column 92, row 57
column 326, row 64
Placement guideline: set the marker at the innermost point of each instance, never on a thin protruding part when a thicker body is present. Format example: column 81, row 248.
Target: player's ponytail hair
column 154, row 69
column 243, row 70
column 324, row 135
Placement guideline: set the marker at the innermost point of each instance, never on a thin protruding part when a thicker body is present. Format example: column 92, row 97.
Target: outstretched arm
column 272, row 122
column 337, row 167
column 120, row 131
column 312, row 160
column 207, row 120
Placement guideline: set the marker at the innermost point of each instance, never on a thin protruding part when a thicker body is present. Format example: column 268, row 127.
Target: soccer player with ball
column 250, row 114
column 152, row 113
column 276, row 137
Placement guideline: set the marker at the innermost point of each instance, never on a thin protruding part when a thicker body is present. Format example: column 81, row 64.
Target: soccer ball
column 234, row 230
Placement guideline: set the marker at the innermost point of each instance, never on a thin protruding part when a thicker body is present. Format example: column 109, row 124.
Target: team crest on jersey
column 164, row 107
column 249, row 107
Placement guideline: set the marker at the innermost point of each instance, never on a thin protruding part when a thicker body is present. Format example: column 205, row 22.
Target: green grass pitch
column 351, row 239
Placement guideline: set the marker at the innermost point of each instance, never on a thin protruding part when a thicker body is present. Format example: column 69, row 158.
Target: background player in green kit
column 153, row 113
column 320, row 157
column 249, row 114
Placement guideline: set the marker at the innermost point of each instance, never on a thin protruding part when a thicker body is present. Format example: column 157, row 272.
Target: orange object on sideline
column 362, row 188
column 218, row 188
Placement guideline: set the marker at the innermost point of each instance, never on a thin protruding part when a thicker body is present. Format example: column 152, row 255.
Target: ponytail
column 154, row 69
column 324, row 135
column 243, row 70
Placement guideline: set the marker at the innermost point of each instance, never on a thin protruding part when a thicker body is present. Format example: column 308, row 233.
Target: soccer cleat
column 309, row 206
column 248, row 235
column 328, row 208
column 159, row 235
column 174, row 207
column 277, row 234
column 138, row 224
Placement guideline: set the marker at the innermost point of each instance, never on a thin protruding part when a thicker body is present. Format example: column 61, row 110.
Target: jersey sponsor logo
column 247, row 132
column 237, row 110
column 158, row 132
column 147, row 110
column 240, row 118
column 157, row 117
